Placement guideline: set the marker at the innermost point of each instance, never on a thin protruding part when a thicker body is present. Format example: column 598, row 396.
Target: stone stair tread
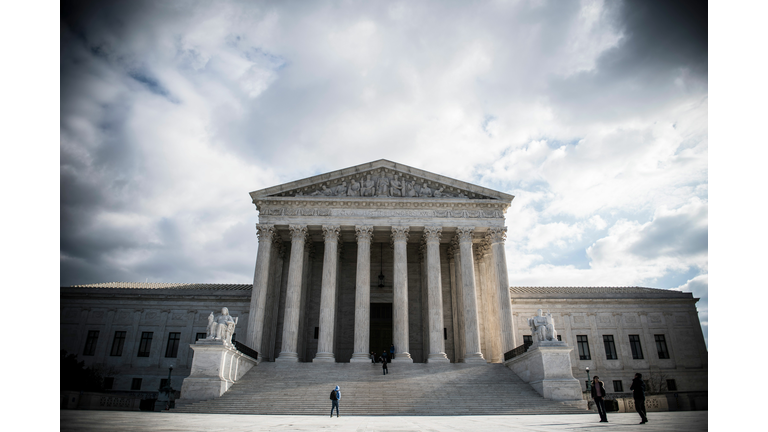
column 410, row 389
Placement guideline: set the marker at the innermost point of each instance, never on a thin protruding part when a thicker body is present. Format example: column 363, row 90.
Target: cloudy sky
column 593, row 114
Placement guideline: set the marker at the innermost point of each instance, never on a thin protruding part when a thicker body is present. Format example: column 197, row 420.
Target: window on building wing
column 583, row 344
column 610, row 347
column 90, row 343
column 661, row 346
column 634, row 344
column 172, row 349
column 145, row 344
column 117, row 344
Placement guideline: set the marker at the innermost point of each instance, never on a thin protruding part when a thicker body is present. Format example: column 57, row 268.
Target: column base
column 287, row 357
column 360, row 358
column 323, row 357
column 402, row 357
column 438, row 358
column 476, row 358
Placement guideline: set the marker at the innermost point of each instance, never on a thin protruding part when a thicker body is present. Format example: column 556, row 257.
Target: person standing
column 384, row 369
column 392, row 352
column 335, row 398
column 638, row 393
column 373, row 358
column 598, row 394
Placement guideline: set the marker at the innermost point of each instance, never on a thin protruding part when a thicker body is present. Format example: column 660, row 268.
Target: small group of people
column 638, row 393
column 384, row 358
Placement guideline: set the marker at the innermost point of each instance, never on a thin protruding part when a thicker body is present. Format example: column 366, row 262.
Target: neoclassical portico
column 409, row 257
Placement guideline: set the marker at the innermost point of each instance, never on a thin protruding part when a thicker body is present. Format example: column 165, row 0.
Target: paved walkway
column 117, row 421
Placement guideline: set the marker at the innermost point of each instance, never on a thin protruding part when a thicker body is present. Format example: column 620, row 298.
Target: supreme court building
column 355, row 260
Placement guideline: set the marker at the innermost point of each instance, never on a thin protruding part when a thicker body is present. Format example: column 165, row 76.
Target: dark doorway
column 381, row 327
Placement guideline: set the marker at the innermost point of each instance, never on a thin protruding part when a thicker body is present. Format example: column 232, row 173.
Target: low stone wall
column 693, row 401
column 99, row 401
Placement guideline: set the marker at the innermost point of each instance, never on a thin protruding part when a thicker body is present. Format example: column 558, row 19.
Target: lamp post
column 168, row 389
column 588, row 378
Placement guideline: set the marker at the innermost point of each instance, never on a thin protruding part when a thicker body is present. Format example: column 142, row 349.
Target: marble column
column 497, row 236
column 472, row 353
column 434, row 296
column 492, row 309
column 360, row 354
column 328, row 295
column 293, row 295
column 459, row 297
column 400, row 296
column 266, row 234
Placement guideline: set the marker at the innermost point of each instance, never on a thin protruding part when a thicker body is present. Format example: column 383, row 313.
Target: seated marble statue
column 368, row 187
column 425, row 191
column 395, row 187
column 382, row 189
column 542, row 328
column 409, row 190
column 354, row 188
column 222, row 327
column 341, row 190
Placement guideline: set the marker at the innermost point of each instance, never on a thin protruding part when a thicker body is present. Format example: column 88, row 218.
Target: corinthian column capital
column 400, row 233
column 497, row 235
column 464, row 234
column 331, row 232
column 364, row 233
column 432, row 233
column 298, row 232
column 265, row 232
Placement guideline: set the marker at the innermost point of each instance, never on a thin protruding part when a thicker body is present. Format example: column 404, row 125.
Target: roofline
column 381, row 163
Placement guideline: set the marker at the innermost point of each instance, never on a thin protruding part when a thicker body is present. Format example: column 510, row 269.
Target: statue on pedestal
column 222, row 327
column 542, row 328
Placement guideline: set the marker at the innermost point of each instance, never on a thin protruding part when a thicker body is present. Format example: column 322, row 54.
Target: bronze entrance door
column 381, row 327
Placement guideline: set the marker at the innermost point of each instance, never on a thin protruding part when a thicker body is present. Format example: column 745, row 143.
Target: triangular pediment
column 381, row 179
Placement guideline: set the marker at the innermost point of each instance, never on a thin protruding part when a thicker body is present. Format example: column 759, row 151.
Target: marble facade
column 353, row 260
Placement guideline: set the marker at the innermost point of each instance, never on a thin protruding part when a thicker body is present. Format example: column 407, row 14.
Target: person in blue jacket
column 335, row 398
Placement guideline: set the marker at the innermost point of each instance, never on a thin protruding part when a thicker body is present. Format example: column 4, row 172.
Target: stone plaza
column 381, row 254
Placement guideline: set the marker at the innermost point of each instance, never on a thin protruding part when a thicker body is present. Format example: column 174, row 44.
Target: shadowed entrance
column 381, row 327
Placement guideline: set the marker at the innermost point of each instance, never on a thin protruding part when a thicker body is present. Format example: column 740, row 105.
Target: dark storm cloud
column 664, row 51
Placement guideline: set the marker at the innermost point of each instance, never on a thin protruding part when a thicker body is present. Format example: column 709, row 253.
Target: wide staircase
column 409, row 389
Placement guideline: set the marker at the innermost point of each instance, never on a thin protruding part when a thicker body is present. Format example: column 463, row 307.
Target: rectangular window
column 199, row 336
column 90, row 343
column 173, row 345
column 634, row 343
column 618, row 386
column 610, row 347
column 583, row 343
column 661, row 346
column 109, row 382
column 528, row 339
column 671, row 385
column 136, row 384
column 145, row 344
column 317, row 332
column 117, row 344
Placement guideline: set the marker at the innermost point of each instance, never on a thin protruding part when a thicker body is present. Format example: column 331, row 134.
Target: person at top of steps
column 335, row 398
column 384, row 369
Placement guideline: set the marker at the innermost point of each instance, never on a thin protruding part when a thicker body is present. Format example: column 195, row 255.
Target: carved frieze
column 380, row 184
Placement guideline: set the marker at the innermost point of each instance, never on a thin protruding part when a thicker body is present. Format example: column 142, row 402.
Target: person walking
column 638, row 393
column 373, row 358
column 384, row 369
column 335, row 398
column 392, row 352
column 598, row 394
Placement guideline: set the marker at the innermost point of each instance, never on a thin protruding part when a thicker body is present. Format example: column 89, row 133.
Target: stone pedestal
column 547, row 368
column 215, row 367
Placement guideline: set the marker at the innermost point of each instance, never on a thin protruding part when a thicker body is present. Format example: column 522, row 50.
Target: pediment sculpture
column 383, row 185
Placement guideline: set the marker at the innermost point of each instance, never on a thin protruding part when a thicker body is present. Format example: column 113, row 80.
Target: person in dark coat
column 335, row 398
column 598, row 394
column 392, row 352
column 638, row 393
column 384, row 369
